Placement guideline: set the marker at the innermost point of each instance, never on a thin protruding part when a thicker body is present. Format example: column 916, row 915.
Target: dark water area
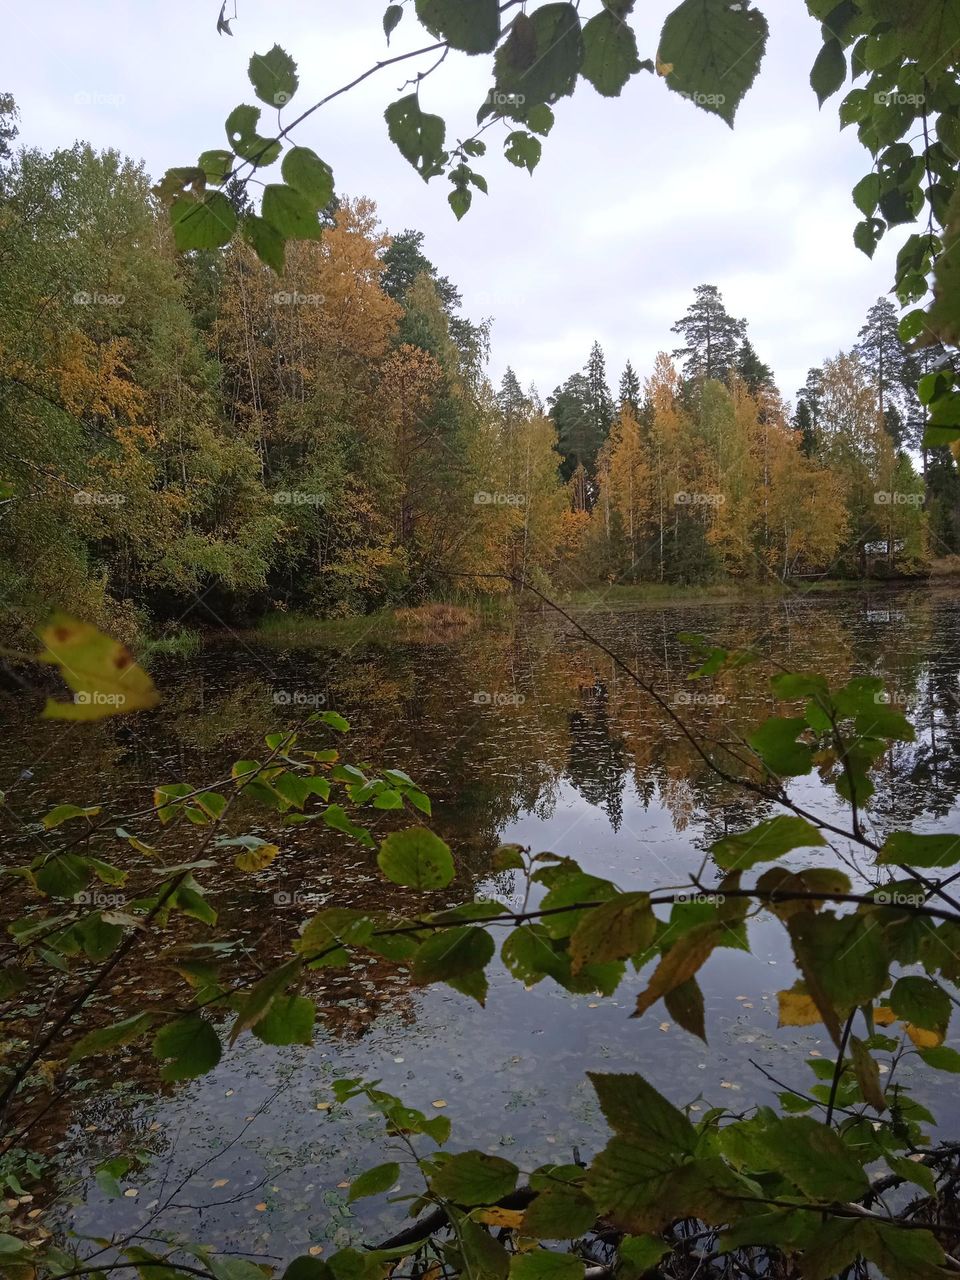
column 520, row 731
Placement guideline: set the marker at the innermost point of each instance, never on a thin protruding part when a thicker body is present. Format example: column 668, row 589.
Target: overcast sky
column 636, row 199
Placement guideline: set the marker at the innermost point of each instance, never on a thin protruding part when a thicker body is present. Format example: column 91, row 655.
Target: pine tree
column 882, row 354
column 712, row 337
column 629, row 394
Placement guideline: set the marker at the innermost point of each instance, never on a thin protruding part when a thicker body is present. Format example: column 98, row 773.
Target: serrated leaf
column 713, row 50
column 416, row 859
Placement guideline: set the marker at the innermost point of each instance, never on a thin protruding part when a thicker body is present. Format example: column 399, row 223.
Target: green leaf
column 483, row 1257
column 207, row 223
column 108, row 1037
column 685, row 1005
column 922, row 1002
column 765, row 842
column 609, row 53
column 460, row 200
column 241, row 128
column 571, row 889
column 473, row 27
column 416, row 859
column 458, row 957
column 540, row 59
column 373, row 1182
column 714, row 50
column 775, row 742
column 541, row 1264
column 254, row 1006
column 829, row 70
column 418, row 135
column 303, row 170
column 273, row 76
column 866, row 196
column 289, row 1020
column 473, row 1177
column 64, row 876
column 561, row 1212
column 621, row 928
column 843, row 960
column 813, row 1158
column 65, row 812
column 942, row 1058
column 639, row 1255
column 307, row 1268
column 907, row 848
column 522, row 149
column 290, row 213
column 391, row 18
column 216, row 165
column 635, row 1110
column 191, row 1046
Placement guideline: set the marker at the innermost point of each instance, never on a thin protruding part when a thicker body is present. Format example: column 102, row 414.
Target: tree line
column 195, row 437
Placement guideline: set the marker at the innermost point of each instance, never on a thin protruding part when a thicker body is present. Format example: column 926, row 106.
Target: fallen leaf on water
column 439, row 1104
column 315, row 1249
column 219, row 1182
column 260, row 1207
column 323, row 1106
column 131, row 1192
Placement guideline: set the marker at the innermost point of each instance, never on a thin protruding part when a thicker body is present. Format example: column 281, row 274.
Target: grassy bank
column 428, row 624
column 652, row 593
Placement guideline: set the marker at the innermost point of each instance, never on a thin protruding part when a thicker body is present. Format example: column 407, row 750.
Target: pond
column 521, row 731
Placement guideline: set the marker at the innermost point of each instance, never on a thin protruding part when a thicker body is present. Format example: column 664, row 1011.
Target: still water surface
column 524, row 733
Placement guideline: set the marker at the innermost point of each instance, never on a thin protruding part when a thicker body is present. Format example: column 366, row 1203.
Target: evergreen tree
column 809, row 404
column 629, row 394
column 510, row 398
column 751, row 368
column 882, row 354
column 583, row 412
column 712, row 337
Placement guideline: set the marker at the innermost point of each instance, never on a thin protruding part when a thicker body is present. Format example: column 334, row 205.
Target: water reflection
column 558, row 751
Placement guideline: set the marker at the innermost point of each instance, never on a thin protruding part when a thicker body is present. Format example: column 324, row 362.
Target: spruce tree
column 629, row 393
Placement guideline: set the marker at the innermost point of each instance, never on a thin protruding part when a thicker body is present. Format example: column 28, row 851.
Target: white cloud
column 635, row 202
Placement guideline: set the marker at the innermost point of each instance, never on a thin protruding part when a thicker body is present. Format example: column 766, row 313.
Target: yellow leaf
column 664, row 68
column 924, row 1039
column 796, row 1009
column 220, row 1182
column 261, row 1207
column 438, row 1104
column 101, row 672
column 256, row 859
column 883, row 1016
column 496, row 1217
column 315, row 1249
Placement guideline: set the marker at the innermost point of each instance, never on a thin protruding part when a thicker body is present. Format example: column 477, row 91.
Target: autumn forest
column 330, row 441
